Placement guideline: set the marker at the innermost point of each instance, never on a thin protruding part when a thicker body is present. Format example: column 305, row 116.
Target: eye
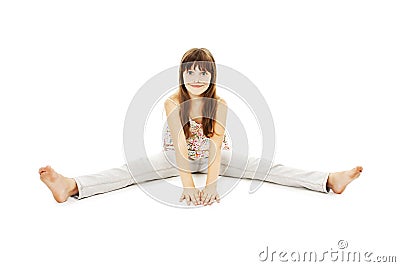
column 190, row 72
column 204, row 73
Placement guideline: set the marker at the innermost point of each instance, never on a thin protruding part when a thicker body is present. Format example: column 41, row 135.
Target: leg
column 162, row 166
column 284, row 175
column 101, row 182
column 111, row 179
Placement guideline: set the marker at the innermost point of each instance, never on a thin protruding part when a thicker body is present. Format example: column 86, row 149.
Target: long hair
column 203, row 59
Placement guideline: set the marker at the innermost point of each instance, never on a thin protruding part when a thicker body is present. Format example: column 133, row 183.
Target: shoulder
column 172, row 101
column 221, row 102
column 220, row 99
column 174, row 97
column 222, row 109
column 220, row 121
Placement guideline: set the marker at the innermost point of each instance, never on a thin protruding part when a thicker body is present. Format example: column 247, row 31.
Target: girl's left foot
column 337, row 181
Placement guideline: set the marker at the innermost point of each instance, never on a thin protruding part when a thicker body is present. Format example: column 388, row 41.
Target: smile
column 197, row 85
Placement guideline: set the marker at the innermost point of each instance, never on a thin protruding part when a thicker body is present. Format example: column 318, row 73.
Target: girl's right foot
column 61, row 186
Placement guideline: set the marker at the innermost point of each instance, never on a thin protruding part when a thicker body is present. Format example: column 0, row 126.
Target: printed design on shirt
column 197, row 144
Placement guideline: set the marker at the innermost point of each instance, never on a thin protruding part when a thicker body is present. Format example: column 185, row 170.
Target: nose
column 196, row 78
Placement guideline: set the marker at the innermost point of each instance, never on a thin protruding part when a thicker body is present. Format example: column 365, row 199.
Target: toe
column 48, row 168
column 358, row 169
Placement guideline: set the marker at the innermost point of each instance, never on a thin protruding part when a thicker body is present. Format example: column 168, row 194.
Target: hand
column 209, row 194
column 191, row 194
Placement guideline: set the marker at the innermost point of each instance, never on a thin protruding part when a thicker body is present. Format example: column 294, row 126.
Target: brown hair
column 203, row 59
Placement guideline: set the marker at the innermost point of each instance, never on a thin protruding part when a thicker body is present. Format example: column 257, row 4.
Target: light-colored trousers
column 164, row 166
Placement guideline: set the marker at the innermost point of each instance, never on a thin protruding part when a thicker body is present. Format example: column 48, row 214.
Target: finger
column 187, row 199
column 212, row 199
column 182, row 197
column 203, row 200
column 197, row 199
column 201, row 196
column 208, row 199
column 217, row 198
column 200, row 201
column 192, row 200
column 204, row 195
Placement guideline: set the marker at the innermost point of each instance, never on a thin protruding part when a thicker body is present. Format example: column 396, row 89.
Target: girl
column 202, row 143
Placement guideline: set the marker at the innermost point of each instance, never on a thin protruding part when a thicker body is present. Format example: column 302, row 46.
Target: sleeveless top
column 197, row 143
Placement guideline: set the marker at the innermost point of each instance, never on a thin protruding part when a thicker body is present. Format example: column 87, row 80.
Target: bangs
column 198, row 58
column 202, row 65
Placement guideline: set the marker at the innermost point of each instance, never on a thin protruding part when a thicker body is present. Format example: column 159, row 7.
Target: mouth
column 196, row 85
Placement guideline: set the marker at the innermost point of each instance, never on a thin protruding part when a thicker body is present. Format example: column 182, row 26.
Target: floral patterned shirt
column 198, row 144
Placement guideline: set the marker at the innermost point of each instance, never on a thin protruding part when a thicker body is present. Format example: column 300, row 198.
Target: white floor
column 126, row 227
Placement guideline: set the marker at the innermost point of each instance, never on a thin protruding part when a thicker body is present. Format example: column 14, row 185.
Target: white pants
column 164, row 166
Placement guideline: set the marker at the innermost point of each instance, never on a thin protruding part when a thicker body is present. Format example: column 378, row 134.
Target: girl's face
column 196, row 81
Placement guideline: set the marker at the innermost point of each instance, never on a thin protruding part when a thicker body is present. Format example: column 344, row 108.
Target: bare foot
column 61, row 186
column 338, row 181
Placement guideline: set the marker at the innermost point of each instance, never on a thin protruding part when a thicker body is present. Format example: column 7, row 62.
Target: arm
column 216, row 143
column 180, row 145
column 214, row 159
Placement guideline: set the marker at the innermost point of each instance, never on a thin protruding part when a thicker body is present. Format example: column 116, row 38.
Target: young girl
column 203, row 138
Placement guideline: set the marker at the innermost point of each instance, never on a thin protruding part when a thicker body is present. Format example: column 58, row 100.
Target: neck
column 192, row 96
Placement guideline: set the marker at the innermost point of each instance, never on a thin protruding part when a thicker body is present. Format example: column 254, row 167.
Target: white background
column 329, row 71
